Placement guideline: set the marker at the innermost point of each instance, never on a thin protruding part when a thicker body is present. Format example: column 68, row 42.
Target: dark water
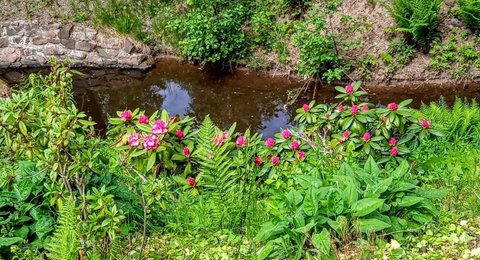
column 253, row 100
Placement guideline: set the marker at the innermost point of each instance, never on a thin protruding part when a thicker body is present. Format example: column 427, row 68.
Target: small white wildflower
column 475, row 251
column 463, row 222
column 395, row 244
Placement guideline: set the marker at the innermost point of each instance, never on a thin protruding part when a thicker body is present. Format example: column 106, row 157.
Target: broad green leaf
column 371, row 225
column 379, row 188
column 366, row 206
column 321, row 241
column 8, row 241
column 408, row 201
column 269, row 230
column 151, row 161
column 294, row 197
column 310, row 203
column 371, row 167
column 265, row 251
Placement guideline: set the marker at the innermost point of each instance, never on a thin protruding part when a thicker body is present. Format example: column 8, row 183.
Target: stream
column 254, row 100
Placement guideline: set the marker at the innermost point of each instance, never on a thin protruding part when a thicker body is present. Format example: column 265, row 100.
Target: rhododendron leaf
column 138, row 153
column 23, row 128
column 164, row 116
column 340, row 89
column 405, row 103
column 151, row 161
column 188, row 169
column 178, row 157
column 87, row 123
column 436, row 132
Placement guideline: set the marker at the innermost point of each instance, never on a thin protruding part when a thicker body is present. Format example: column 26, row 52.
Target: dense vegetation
column 351, row 180
column 311, row 38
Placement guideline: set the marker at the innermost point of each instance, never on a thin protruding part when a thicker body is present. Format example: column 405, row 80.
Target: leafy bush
column 417, row 18
column 26, row 218
column 212, row 33
column 399, row 53
column 470, row 13
column 316, row 211
column 318, row 54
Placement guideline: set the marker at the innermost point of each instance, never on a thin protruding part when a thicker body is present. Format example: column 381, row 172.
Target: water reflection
column 253, row 100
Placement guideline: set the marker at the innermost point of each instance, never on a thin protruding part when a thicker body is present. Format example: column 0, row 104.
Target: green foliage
column 212, row 32
column 120, row 15
column 336, row 206
column 399, row 54
column 65, row 241
column 25, row 218
column 417, row 18
column 470, row 13
column 457, row 59
column 318, row 52
column 367, row 65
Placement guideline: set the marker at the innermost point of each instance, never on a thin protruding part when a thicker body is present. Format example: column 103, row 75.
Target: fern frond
column 65, row 241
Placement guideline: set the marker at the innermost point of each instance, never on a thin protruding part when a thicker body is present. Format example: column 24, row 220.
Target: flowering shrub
column 361, row 128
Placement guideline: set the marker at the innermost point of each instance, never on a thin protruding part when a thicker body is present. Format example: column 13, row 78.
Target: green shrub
column 417, row 18
column 318, row 54
column 210, row 35
column 470, row 13
column 398, row 55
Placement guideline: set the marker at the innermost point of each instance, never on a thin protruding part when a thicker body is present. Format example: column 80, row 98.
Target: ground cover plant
column 351, row 176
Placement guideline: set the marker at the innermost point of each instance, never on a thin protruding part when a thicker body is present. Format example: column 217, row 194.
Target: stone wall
column 28, row 44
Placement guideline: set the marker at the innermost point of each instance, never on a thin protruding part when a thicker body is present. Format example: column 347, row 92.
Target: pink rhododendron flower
column 349, row 89
column 275, row 160
column 425, row 124
column 134, row 139
column 258, row 160
column 159, row 127
column 354, row 109
column 150, row 142
column 126, row 116
column 366, row 137
column 295, row 145
column 301, row 155
column 346, row 134
column 394, row 151
column 327, row 115
column 191, row 181
column 270, row 142
column 392, row 141
column 179, row 134
column 241, row 140
column 306, row 107
column 392, row 106
column 365, row 108
column 286, row 134
column 186, row 151
column 220, row 138
column 341, row 108
column 143, row 119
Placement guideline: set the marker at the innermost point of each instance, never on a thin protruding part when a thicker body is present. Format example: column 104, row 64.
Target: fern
column 470, row 13
column 461, row 122
column 417, row 18
column 217, row 173
column 65, row 241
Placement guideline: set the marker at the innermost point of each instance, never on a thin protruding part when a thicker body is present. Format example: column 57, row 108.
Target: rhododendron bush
column 304, row 187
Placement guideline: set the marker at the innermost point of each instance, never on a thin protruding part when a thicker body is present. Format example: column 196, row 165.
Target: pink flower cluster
column 126, row 116
column 220, row 138
column 159, row 127
column 425, row 124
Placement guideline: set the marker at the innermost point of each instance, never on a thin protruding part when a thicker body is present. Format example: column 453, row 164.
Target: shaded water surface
column 255, row 100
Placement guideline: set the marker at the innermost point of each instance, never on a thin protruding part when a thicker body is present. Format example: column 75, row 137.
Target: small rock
column 68, row 43
column 108, row 53
column 39, row 40
column 33, row 61
column 79, row 35
column 84, row 46
column 64, row 32
column 54, row 50
column 94, row 59
column 132, row 60
column 454, row 22
column 3, row 42
column 90, row 34
column 128, row 46
column 9, row 55
column 79, row 55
